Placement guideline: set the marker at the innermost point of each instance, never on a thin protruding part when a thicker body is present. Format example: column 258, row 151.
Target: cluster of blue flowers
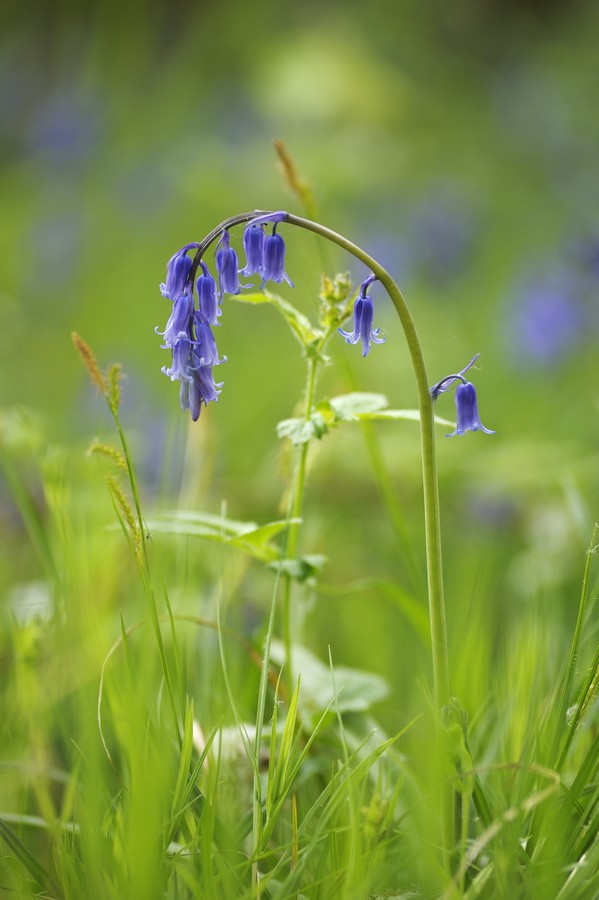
column 189, row 336
column 188, row 333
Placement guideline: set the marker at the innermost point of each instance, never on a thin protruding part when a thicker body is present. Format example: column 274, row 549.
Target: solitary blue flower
column 253, row 243
column 177, row 274
column 205, row 345
column 363, row 317
column 273, row 267
column 467, row 411
column 208, row 301
column 226, row 265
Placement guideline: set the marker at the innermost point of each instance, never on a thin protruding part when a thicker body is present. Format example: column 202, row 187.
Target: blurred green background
column 456, row 142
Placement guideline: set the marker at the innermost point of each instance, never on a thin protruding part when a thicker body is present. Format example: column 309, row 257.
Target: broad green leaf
column 301, row 326
column 300, row 431
column 356, row 690
column 302, row 568
column 347, row 406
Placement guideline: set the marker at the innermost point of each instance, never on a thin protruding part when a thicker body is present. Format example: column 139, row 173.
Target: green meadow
column 313, row 644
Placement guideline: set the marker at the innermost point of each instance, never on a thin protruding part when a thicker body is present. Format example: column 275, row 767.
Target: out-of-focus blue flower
column 200, row 389
column 226, row 266
column 253, row 243
column 273, row 265
column 177, row 275
column 549, row 318
column 179, row 319
column 467, row 411
column 205, row 346
column 207, row 299
column 441, row 232
column 363, row 317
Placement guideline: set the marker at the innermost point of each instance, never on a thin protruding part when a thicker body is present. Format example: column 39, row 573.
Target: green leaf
column 411, row 414
column 300, row 326
column 177, row 804
column 256, row 540
column 345, row 408
column 302, row 568
column 300, row 431
column 280, row 786
column 356, row 690
column 348, row 406
column 180, row 521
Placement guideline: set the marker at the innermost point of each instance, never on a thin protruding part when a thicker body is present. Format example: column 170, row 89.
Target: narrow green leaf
column 39, row 875
column 184, row 763
column 284, row 755
column 272, row 755
column 248, row 536
column 177, row 521
column 412, row 415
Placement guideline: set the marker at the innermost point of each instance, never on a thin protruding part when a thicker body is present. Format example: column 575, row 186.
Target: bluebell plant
column 188, row 335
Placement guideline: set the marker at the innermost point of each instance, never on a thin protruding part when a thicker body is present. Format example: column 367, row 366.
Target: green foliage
column 256, row 540
column 321, row 803
column 345, row 408
column 300, row 326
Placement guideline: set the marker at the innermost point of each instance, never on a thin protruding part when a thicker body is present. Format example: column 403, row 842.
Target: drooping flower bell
column 205, row 346
column 363, row 318
column 200, row 389
column 467, row 411
column 226, row 266
column 179, row 319
column 253, row 243
column 273, row 265
column 207, row 298
column 180, row 370
column 177, row 275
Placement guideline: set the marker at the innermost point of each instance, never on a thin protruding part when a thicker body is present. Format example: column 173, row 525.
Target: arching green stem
column 429, row 466
column 432, row 523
